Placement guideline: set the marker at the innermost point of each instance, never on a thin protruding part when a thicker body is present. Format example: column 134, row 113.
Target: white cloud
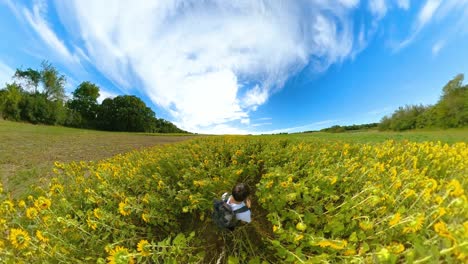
column 424, row 17
column 427, row 12
column 103, row 94
column 193, row 57
column 378, row 7
column 262, row 124
column 437, row 47
column 403, row 4
column 349, row 3
column 309, row 127
column 5, row 74
column 39, row 24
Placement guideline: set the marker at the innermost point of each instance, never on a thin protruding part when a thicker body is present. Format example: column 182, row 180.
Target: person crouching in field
column 239, row 199
column 233, row 209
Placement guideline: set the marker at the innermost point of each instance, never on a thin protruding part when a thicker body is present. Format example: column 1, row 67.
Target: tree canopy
column 38, row 96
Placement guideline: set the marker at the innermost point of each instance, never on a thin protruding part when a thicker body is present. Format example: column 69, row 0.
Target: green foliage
column 85, row 104
column 30, row 76
column 338, row 129
column 53, row 82
column 10, row 100
column 23, row 101
column 450, row 111
column 314, row 202
column 126, row 113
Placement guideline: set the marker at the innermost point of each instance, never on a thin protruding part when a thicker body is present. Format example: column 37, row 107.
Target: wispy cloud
column 437, row 47
column 6, row 73
column 425, row 15
column 308, row 127
column 378, row 7
column 403, row 4
column 36, row 19
column 261, row 124
column 193, row 57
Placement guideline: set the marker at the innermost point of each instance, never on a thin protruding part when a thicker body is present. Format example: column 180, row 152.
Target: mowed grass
column 448, row 136
column 28, row 152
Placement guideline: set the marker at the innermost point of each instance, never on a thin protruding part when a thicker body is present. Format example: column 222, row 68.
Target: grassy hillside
column 28, row 152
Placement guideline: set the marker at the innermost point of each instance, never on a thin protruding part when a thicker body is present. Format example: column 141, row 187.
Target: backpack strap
column 241, row 210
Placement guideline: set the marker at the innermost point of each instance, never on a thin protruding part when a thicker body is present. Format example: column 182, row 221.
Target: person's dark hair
column 240, row 192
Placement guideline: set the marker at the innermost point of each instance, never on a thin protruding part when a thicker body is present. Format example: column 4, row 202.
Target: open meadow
column 364, row 197
column 28, row 152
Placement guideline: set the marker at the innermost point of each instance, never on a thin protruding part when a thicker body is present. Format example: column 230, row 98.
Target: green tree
column 126, row 113
column 36, row 109
column 11, row 98
column 31, row 77
column 53, row 81
column 452, row 108
column 85, row 103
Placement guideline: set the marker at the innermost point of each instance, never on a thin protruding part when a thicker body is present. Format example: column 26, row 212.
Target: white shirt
column 245, row 216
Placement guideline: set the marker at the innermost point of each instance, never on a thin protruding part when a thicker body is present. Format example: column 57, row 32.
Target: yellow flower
column 415, row 225
column 269, row 184
column 97, row 213
column 455, row 188
column 441, row 211
column 145, row 217
column 395, row 219
column 298, row 237
column 275, row 228
column 144, row 248
column 324, row 243
column 41, row 237
column 7, row 206
column 124, row 209
column 119, row 255
column 42, row 203
column 19, row 238
column 31, row 212
column 396, row 248
column 91, row 224
column 22, row 204
column 338, row 244
column 441, row 229
column 56, row 189
column 349, row 252
column 409, row 193
column 366, row 225
column 465, row 226
column 145, row 198
column 439, row 199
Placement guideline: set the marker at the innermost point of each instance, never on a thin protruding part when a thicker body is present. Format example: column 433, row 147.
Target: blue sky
column 246, row 66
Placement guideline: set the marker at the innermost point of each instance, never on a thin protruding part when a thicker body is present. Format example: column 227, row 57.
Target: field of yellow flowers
column 314, row 201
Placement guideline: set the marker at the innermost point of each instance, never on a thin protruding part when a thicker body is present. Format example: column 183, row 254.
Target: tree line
column 338, row 129
column 450, row 111
column 38, row 97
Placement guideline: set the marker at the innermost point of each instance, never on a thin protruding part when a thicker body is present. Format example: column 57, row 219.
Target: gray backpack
column 223, row 215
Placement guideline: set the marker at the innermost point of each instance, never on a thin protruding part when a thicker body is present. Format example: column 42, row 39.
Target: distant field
column 448, row 136
column 28, row 152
